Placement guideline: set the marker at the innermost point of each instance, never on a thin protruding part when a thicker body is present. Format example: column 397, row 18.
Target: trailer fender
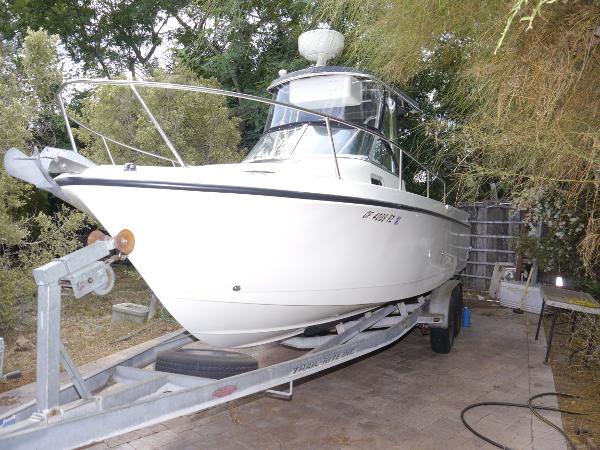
column 439, row 301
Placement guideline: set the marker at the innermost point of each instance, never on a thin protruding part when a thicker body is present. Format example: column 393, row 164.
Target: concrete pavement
column 404, row 397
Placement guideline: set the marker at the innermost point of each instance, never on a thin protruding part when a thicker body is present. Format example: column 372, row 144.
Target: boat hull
column 253, row 264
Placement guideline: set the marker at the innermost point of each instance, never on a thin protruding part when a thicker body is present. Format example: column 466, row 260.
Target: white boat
column 313, row 226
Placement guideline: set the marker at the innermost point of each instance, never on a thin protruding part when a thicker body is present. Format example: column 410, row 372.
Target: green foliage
column 12, row 286
column 536, row 122
column 50, row 236
column 430, row 132
column 536, row 126
column 14, row 197
column 244, row 44
column 241, row 43
column 562, row 225
column 29, row 236
column 107, row 37
column 56, row 235
column 41, row 65
column 520, row 11
column 389, row 37
column 14, row 112
column 198, row 125
column 526, row 117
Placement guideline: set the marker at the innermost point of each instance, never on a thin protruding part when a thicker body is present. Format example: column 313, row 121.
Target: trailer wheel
column 214, row 364
column 441, row 339
column 459, row 308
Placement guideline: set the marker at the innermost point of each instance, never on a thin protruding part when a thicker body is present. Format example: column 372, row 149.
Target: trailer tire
column 459, row 308
column 214, row 364
column 441, row 339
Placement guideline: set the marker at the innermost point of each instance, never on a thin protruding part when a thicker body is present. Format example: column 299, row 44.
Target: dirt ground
column 576, row 379
column 87, row 331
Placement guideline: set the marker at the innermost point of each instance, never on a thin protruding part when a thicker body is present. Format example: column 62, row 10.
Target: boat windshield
column 290, row 133
column 309, row 139
column 343, row 96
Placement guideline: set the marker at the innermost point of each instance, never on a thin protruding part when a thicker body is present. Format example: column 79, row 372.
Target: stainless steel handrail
column 337, row 167
column 157, row 126
column 363, row 75
column 112, row 160
column 122, row 144
column 208, row 90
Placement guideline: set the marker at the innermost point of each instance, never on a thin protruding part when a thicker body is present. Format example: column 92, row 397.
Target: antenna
column 319, row 46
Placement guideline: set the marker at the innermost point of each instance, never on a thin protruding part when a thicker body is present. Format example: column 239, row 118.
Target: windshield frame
column 336, row 70
column 275, row 90
column 303, row 127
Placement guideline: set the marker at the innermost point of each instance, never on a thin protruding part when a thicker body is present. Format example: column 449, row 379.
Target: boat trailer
column 129, row 395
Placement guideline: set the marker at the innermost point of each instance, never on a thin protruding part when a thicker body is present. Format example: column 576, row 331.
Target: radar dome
column 319, row 46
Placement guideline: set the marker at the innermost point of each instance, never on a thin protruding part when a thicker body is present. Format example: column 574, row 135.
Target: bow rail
column 430, row 176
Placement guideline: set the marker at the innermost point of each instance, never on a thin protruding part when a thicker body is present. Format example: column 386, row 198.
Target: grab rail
column 208, row 90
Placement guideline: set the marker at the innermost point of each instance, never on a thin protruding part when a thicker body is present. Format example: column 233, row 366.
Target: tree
column 107, row 36
column 524, row 117
column 429, row 133
column 198, row 125
column 29, row 233
column 34, row 227
column 244, row 44
column 241, row 43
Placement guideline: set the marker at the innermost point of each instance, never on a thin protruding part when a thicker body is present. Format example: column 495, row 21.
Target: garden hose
column 534, row 409
column 546, row 421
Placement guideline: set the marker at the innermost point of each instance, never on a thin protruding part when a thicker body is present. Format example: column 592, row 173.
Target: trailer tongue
column 123, row 397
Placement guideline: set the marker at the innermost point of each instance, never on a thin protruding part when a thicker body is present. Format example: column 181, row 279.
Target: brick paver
column 404, row 397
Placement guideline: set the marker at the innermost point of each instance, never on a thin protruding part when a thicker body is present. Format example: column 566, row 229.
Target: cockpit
column 354, row 97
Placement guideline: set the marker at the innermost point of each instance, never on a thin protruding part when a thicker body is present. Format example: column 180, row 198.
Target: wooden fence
column 495, row 229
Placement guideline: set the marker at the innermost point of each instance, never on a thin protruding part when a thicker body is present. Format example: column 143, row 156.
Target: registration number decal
column 382, row 217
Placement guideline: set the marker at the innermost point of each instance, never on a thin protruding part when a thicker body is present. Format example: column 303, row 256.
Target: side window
column 382, row 155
